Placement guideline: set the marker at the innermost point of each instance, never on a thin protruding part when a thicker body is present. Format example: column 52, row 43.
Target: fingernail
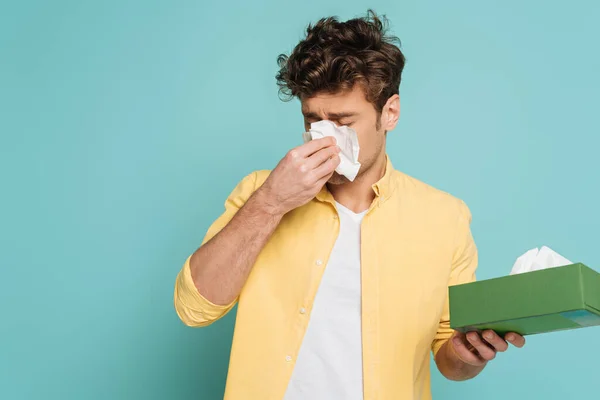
column 510, row 337
column 456, row 341
column 337, row 148
column 488, row 335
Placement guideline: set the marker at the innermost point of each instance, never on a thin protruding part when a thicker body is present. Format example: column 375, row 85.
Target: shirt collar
column 383, row 188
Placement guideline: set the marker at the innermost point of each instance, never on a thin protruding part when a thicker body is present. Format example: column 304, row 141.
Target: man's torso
column 329, row 364
column 407, row 239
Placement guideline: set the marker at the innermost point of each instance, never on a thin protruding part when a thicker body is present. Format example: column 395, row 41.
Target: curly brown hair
column 336, row 55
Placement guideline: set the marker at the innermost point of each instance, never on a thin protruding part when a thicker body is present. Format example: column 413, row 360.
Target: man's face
column 352, row 109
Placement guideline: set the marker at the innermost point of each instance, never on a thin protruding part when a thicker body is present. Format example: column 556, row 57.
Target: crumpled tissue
column 347, row 140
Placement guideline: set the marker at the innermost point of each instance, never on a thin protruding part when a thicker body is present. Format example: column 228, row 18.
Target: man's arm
column 220, row 267
column 458, row 356
column 216, row 273
column 464, row 266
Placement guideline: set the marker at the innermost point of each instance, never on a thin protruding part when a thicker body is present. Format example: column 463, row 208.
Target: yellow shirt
column 415, row 242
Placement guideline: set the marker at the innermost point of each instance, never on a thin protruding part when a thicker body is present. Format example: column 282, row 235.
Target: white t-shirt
column 329, row 364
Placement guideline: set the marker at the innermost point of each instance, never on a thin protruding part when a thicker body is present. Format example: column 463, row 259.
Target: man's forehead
column 334, row 104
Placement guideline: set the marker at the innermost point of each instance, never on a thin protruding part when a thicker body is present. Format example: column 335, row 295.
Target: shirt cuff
column 438, row 343
column 193, row 308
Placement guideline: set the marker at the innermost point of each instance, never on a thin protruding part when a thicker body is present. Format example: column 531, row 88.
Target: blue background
column 124, row 125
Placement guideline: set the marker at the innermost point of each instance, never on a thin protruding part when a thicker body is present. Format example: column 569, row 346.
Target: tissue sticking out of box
column 537, row 259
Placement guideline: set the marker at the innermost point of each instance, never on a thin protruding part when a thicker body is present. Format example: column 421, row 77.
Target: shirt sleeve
column 464, row 265
column 192, row 308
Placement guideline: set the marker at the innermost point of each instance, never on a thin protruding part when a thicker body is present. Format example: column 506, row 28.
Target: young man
column 341, row 286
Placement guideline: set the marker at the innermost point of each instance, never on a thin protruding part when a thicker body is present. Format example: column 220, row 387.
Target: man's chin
column 337, row 179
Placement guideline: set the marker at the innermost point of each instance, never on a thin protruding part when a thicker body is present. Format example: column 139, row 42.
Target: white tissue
column 537, row 259
column 347, row 140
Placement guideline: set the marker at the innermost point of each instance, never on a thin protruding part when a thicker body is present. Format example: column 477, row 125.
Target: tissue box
column 542, row 301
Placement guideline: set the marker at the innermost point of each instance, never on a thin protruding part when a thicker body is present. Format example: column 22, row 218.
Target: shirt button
column 319, row 262
column 288, row 358
column 303, row 310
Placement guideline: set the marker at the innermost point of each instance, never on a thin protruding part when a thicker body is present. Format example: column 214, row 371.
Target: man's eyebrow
column 334, row 116
column 310, row 115
column 341, row 115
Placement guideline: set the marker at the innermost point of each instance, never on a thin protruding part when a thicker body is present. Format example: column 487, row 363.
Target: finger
column 308, row 149
column 496, row 341
column 321, row 156
column 321, row 182
column 327, row 167
column 515, row 339
column 485, row 351
column 464, row 353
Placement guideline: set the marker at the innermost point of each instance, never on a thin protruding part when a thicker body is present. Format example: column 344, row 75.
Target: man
column 341, row 285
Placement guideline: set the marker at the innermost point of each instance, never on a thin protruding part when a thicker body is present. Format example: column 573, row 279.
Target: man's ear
column 390, row 113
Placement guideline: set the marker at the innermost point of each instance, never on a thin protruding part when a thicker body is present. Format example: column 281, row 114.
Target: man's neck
column 358, row 195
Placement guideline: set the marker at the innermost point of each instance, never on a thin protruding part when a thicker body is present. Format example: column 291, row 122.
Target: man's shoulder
column 429, row 197
column 252, row 181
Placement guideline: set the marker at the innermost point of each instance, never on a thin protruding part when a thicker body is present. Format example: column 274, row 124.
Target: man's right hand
column 300, row 175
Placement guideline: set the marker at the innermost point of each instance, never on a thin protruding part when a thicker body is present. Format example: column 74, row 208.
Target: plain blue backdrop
column 124, row 125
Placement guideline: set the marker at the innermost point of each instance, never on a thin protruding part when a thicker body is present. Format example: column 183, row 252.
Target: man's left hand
column 477, row 349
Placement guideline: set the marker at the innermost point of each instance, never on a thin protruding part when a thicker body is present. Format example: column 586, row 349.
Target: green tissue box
column 542, row 301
